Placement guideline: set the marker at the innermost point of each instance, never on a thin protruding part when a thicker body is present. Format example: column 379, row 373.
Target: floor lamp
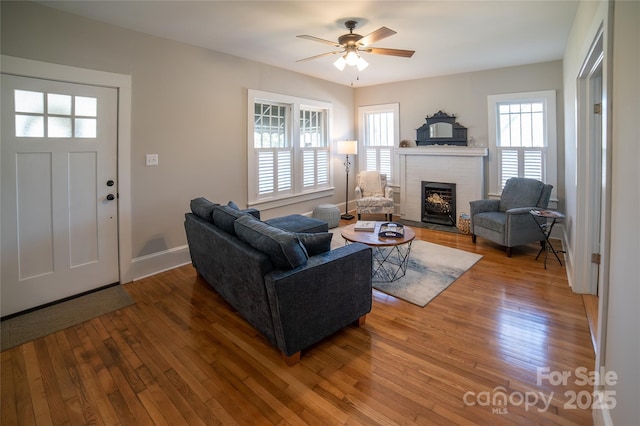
column 347, row 148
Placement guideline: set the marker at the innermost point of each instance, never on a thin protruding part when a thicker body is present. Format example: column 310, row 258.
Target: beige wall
column 465, row 95
column 189, row 106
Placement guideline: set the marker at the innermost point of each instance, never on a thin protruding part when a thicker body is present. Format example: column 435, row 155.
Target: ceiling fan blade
column 320, row 40
column 379, row 34
column 319, row 56
column 392, row 52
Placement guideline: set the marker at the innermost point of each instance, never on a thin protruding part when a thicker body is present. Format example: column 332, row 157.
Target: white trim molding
column 121, row 82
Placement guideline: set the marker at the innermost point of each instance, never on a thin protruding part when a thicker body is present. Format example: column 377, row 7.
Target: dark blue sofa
column 286, row 283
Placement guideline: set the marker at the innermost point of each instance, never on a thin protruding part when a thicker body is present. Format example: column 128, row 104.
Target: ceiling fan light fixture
column 340, row 63
column 361, row 64
column 352, row 58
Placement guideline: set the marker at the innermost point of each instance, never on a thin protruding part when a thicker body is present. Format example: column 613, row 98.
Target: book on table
column 365, row 226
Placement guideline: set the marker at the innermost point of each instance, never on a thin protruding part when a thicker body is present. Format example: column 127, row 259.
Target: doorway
column 10, row 65
column 593, row 192
column 59, row 190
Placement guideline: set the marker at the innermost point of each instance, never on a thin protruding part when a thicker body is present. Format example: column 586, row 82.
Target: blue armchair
column 507, row 221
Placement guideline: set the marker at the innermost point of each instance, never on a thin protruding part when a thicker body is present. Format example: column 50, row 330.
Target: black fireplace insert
column 439, row 203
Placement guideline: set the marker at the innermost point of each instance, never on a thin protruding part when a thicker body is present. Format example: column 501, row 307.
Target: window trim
column 298, row 194
column 394, row 179
column 548, row 98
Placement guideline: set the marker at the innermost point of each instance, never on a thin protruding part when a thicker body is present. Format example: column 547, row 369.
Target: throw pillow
column 371, row 184
column 203, row 208
column 224, row 216
column 233, row 205
column 283, row 247
column 315, row 243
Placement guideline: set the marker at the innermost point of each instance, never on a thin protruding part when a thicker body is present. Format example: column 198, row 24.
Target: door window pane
column 59, row 127
column 85, row 127
column 58, row 104
column 27, row 101
column 86, row 106
column 29, row 126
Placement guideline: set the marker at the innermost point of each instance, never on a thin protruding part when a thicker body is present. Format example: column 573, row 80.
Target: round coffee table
column 390, row 255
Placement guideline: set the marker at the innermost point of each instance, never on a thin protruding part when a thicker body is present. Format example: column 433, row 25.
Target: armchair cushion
column 370, row 184
column 520, row 193
column 494, row 221
column 283, row 247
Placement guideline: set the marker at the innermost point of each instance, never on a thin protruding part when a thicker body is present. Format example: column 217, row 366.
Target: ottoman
column 329, row 213
column 299, row 223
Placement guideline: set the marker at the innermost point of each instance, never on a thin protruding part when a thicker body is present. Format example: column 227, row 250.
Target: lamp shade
column 340, row 63
column 348, row 147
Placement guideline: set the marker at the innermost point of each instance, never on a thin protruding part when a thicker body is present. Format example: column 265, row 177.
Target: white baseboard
column 145, row 266
column 602, row 417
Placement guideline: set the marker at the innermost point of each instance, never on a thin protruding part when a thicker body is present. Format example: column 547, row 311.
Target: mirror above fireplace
column 441, row 129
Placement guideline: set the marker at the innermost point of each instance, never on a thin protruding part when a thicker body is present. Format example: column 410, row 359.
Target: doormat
column 42, row 322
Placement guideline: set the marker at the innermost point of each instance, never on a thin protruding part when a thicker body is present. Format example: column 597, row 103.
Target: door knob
column 110, row 182
column 111, row 197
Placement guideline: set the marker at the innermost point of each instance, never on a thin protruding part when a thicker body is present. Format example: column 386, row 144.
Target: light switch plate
column 152, row 159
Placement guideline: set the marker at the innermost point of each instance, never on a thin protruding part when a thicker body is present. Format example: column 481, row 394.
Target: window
column 522, row 135
column 53, row 115
column 379, row 134
column 288, row 148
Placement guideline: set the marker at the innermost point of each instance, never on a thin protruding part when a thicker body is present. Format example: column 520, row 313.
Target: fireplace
column 439, row 203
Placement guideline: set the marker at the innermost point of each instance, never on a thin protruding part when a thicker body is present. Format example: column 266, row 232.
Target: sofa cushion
column 203, row 208
column 225, row 216
column 299, row 223
column 315, row 243
column 283, row 248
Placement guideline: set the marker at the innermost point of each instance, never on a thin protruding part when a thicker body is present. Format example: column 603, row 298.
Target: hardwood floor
column 180, row 355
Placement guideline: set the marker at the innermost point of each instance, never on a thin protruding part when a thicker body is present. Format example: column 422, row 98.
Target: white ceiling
column 449, row 37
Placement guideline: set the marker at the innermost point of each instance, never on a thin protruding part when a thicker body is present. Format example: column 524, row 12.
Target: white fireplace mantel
column 463, row 166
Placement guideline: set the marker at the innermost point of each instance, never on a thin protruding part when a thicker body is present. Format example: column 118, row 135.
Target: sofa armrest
column 314, row 301
column 481, row 206
column 358, row 192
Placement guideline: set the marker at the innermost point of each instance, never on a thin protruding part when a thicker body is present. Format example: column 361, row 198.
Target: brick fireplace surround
column 463, row 166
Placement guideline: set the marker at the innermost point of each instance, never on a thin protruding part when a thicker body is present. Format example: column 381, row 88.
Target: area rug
column 431, row 269
column 42, row 322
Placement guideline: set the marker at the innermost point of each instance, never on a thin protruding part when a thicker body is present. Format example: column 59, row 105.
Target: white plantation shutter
column 533, row 164
column 308, row 168
column 322, row 167
column 380, row 134
column 522, row 138
column 266, row 168
column 521, row 143
column 285, row 171
column 314, row 145
column 371, row 158
column 508, row 165
column 384, row 164
column 288, row 148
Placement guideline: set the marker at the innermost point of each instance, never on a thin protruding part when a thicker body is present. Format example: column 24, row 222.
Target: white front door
column 59, row 191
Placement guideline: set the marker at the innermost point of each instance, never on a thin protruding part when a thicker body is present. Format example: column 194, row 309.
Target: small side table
column 551, row 217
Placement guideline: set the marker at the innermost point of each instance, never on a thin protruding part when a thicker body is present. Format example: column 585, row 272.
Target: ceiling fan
column 352, row 44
